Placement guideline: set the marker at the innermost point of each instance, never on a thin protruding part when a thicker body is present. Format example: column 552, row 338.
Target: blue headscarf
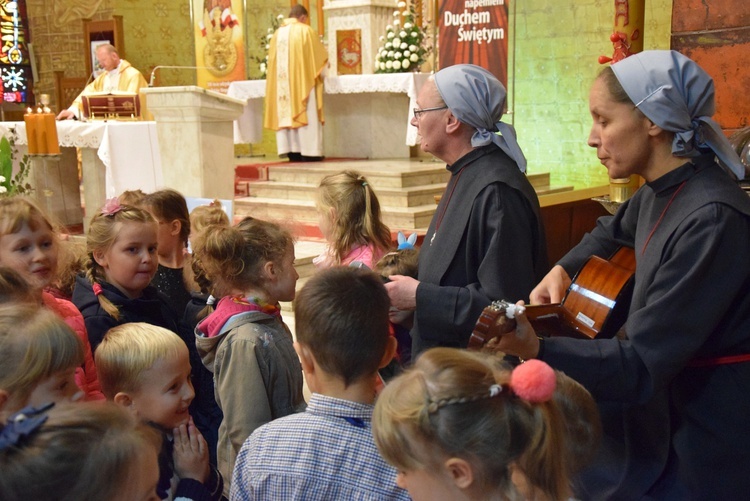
column 677, row 95
column 477, row 98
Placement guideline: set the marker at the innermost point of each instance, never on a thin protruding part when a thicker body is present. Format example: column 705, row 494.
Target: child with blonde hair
column 204, row 409
column 39, row 355
column 121, row 247
column 30, row 245
column 173, row 274
column 350, row 220
column 456, row 424
column 146, row 370
column 72, row 452
column 244, row 342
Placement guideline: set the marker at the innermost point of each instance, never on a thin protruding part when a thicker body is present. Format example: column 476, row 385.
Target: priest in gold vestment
column 294, row 88
column 118, row 75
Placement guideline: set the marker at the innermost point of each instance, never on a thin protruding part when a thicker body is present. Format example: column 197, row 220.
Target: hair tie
column 22, row 424
column 210, row 300
column 533, row 381
column 111, row 207
column 364, row 183
column 495, row 390
column 97, row 288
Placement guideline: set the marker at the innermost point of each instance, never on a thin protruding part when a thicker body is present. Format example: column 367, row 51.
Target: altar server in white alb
column 294, row 88
column 118, row 76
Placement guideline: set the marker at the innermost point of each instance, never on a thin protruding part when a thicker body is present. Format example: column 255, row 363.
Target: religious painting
column 219, row 43
column 475, row 32
column 349, row 52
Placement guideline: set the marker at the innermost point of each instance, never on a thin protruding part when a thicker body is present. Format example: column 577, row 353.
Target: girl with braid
column 121, row 247
column 457, row 426
column 350, row 220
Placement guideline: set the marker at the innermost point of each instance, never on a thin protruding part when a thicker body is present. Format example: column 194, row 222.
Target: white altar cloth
column 115, row 156
column 249, row 127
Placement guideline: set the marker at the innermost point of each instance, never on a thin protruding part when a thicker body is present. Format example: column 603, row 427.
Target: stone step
column 381, row 173
column 388, row 197
column 296, row 212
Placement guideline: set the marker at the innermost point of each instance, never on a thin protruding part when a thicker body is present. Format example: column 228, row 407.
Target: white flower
column 403, row 46
column 396, row 65
column 401, row 5
column 402, row 34
column 382, row 38
column 407, row 53
column 382, row 65
column 414, row 58
column 263, row 67
column 405, row 63
column 389, row 45
column 269, row 36
column 390, row 53
column 270, row 30
column 413, row 48
column 396, row 42
column 397, row 55
column 3, row 189
column 2, row 179
column 396, row 13
column 414, row 34
column 396, row 22
column 407, row 26
column 280, row 17
column 268, row 46
column 389, row 64
column 391, row 35
column 388, row 28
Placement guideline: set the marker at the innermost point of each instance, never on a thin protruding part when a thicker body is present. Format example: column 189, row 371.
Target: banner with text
column 219, row 43
column 476, row 32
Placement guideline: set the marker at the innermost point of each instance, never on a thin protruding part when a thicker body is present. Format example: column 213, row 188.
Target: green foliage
column 402, row 48
column 9, row 184
column 263, row 43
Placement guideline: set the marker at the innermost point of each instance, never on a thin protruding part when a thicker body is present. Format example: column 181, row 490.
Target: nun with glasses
column 673, row 385
column 486, row 239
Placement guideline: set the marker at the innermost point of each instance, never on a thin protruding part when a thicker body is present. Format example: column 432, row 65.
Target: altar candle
column 30, row 118
column 41, row 133
column 50, row 128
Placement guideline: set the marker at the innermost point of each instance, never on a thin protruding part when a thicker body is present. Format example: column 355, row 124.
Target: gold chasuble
column 130, row 81
column 296, row 59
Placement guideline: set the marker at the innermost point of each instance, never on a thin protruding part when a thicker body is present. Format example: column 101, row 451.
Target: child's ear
column 124, row 399
column 460, row 472
column 390, row 352
column 269, row 269
column 175, row 227
column 100, row 257
column 305, row 358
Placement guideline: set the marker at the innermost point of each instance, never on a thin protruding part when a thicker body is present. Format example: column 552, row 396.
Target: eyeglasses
column 418, row 112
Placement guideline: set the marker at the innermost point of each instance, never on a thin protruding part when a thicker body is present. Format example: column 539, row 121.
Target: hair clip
column 364, row 183
column 111, row 207
column 210, row 299
column 495, row 390
column 533, row 381
column 406, row 243
column 97, row 288
column 22, row 424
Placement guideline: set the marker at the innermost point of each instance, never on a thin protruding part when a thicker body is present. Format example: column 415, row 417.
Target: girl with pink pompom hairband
column 461, row 425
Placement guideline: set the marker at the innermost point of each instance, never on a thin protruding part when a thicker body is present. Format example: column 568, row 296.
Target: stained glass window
column 15, row 63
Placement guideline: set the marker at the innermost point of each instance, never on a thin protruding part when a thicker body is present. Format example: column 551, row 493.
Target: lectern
column 194, row 126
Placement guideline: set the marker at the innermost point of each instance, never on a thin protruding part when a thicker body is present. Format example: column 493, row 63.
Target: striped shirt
column 324, row 453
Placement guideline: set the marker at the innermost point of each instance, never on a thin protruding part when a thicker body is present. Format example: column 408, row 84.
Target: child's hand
column 190, row 453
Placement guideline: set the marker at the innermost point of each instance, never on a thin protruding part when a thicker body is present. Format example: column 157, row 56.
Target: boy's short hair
column 341, row 315
column 130, row 349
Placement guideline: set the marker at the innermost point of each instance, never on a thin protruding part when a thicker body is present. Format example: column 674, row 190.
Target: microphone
column 162, row 66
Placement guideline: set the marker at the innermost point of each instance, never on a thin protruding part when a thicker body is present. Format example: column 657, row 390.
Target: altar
column 115, row 156
column 366, row 116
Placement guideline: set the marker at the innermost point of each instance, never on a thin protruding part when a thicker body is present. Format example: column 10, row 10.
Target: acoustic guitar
column 595, row 305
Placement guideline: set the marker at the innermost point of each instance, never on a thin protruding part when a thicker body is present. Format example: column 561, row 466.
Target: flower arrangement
column 403, row 45
column 9, row 184
column 264, row 43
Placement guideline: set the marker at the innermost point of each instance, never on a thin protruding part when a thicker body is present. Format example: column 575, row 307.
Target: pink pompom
column 533, row 381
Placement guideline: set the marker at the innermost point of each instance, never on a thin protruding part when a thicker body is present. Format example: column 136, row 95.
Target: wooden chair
column 67, row 89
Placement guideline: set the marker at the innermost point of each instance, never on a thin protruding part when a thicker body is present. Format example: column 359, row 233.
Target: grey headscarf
column 477, row 98
column 677, row 95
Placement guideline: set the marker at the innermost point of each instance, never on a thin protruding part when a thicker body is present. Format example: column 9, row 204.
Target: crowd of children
column 203, row 379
